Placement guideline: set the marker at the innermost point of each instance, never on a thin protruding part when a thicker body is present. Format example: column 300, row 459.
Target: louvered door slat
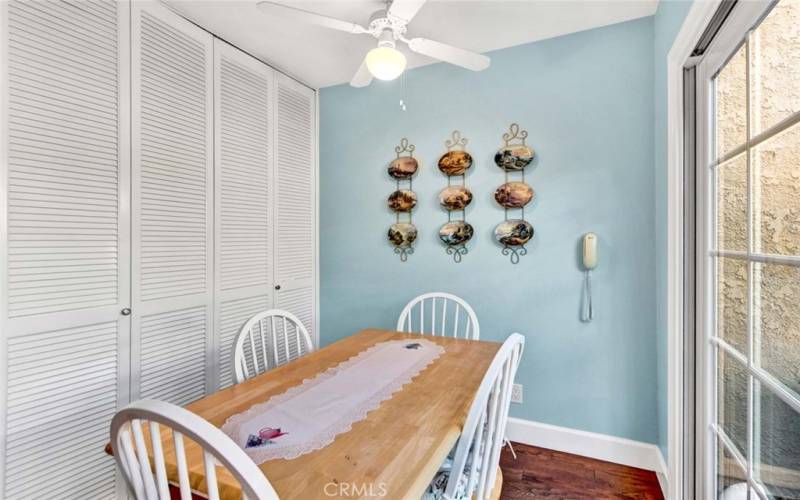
column 71, row 398
column 300, row 301
column 173, row 352
column 172, row 205
column 295, row 194
column 243, row 169
column 243, row 166
column 32, row 135
column 295, row 183
column 76, row 420
column 67, row 239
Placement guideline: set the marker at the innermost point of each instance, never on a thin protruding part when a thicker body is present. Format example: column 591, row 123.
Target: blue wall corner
column 586, row 100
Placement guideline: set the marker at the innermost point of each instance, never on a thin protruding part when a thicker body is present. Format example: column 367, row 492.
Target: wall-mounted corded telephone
column 589, row 263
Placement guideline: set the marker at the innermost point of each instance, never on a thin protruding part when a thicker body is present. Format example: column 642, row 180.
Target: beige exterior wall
column 774, row 228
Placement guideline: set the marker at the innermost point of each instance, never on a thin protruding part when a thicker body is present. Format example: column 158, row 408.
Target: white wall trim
column 693, row 26
column 590, row 444
column 662, row 473
column 317, row 293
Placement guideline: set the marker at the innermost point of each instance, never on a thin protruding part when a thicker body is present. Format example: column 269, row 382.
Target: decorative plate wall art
column 513, row 157
column 402, row 234
column 455, row 162
column 456, row 233
column 456, row 196
column 514, row 195
column 513, row 232
column 404, row 167
column 403, row 200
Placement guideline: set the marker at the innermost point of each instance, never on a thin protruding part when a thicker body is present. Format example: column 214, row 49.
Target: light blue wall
column 666, row 23
column 587, row 101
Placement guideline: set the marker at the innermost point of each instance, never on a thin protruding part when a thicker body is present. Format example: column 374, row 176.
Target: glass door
column 749, row 87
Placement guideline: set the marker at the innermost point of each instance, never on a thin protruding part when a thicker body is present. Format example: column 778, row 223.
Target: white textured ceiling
column 321, row 57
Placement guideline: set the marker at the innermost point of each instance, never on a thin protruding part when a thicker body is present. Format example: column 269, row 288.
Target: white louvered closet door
column 64, row 240
column 295, row 201
column 172, row 225
column 243, row 215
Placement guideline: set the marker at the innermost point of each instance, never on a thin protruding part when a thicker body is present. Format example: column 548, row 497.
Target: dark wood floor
column 541, row 473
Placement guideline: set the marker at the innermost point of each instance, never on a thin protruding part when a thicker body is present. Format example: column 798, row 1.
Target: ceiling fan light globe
column 385, row 63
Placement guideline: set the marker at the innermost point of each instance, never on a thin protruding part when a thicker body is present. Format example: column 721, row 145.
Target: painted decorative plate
column 455, row 163
column 403, row 168
column 402, row 200
column 455, row 198
column 456, row 233
column 402, row 234
column 513, row 232
column 514, row 157
column 514, row 194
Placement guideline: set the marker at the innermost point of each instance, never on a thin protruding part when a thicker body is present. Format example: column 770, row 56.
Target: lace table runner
column 309, row 416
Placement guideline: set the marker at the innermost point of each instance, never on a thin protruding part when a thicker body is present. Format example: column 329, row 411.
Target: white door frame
column 744, row 18
column 694, row 25
column 696, row 21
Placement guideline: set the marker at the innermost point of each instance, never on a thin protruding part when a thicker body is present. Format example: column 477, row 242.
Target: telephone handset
column 589, row 251
column 589, row 263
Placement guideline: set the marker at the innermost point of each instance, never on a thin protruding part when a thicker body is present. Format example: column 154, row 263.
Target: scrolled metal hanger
column 514, row 252
column 515, row 133
column 514, row 156
column 455, row 233
column 457, row 251
column 405, row 147
column 404, row 252
column 403, row 234
column 456, row 141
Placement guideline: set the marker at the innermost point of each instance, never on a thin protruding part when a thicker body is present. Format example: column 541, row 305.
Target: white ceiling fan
column 388, row 26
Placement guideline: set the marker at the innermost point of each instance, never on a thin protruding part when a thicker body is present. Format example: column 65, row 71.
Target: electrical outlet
column 516, row 393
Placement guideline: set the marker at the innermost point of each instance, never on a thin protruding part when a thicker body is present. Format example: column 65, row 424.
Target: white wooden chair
column 421, row 315
column 134, row 458
column 269, row 339
column 473, row 468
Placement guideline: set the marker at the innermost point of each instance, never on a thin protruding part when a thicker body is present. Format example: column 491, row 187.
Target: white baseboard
column 590, row 444
column 662, row 473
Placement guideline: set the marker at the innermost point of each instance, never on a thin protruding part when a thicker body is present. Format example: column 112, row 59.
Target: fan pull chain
column 403, row 92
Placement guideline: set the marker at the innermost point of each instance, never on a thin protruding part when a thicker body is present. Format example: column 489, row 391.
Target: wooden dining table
column 394, row 452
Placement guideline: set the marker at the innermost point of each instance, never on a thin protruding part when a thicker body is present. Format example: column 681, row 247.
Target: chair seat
column 436, row 489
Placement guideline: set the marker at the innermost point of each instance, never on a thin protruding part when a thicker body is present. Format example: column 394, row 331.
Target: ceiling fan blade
column 405, row 9
column 450, row 54
column 288, row 12
column 363, row 77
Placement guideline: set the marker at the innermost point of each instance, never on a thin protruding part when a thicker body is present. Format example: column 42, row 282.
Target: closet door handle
column 277, row 287
column 126, row 311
